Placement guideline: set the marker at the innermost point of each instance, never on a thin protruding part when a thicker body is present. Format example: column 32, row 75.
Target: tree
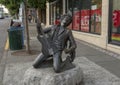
column 12, row 6
column 39, row 3
column 26, row 26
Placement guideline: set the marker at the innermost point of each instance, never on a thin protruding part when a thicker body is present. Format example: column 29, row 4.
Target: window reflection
column 116, row 22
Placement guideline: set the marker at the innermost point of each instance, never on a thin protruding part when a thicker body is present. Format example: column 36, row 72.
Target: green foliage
column 12, row 5
column 2, row 2
column 38, row 3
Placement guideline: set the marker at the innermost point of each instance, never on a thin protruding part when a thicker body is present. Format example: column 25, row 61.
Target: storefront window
column 87, row 16
column 115, row 32
column 76, row 15
column 70, row 4
column 59, row 12
column 96, row 16
column 56, row 10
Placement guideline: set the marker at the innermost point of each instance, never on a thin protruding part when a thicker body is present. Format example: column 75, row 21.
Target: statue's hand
column 72, row 56
column 66, row 51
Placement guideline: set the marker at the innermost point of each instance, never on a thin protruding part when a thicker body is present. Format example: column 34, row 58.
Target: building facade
column 94, row 21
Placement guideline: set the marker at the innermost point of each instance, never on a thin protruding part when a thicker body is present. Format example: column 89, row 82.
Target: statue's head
column 66, row 19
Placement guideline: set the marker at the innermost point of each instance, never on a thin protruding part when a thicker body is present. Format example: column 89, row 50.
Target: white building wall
column 47, row 14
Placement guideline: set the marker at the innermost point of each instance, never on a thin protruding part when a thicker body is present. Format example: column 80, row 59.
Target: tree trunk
column 39, row 13
column 26, row 27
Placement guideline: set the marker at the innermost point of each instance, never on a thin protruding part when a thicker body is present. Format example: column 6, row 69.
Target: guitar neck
column 38, row 25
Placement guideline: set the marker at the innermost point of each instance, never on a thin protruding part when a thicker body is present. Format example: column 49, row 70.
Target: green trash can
column 15, row 38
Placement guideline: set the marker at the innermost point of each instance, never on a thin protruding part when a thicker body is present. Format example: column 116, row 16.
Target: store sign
column 116, row 18
column 81, row 22
column 85, row 20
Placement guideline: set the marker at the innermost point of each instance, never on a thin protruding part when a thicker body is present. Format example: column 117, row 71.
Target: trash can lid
column 15, row 28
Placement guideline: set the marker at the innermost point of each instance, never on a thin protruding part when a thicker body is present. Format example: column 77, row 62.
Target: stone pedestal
column 47, row 76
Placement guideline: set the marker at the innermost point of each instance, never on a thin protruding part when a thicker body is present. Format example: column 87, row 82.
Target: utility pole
column 26, row 27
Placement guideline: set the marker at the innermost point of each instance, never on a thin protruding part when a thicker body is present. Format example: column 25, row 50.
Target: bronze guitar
column 44, row 40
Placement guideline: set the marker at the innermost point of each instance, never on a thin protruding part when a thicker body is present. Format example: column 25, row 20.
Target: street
column 4, row 25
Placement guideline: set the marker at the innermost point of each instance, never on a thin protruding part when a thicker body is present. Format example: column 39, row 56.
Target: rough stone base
column 46, row 76
column 93, row 74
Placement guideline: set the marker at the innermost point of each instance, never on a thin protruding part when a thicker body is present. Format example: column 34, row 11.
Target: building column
column 54, row 14
column 47, row 14
column 104, row 24
column 64, row 8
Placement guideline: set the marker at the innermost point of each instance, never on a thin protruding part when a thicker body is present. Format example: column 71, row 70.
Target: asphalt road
column 4, row 25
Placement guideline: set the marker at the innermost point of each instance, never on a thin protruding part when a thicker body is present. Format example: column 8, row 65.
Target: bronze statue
column 55, row 40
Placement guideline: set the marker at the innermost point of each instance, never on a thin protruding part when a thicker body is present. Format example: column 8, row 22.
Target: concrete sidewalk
column 96, row 59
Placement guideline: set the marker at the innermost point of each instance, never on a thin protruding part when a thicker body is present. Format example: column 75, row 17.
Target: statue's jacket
column 60, row 37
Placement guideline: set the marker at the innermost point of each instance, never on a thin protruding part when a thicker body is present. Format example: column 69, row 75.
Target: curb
column 110, row 53
column 7, row 44
column 3, row 62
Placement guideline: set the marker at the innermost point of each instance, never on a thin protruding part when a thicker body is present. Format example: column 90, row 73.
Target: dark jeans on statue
column 57, row 60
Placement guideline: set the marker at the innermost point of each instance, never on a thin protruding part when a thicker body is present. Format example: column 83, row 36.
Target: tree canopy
column 38, row 3
column 13, row 5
